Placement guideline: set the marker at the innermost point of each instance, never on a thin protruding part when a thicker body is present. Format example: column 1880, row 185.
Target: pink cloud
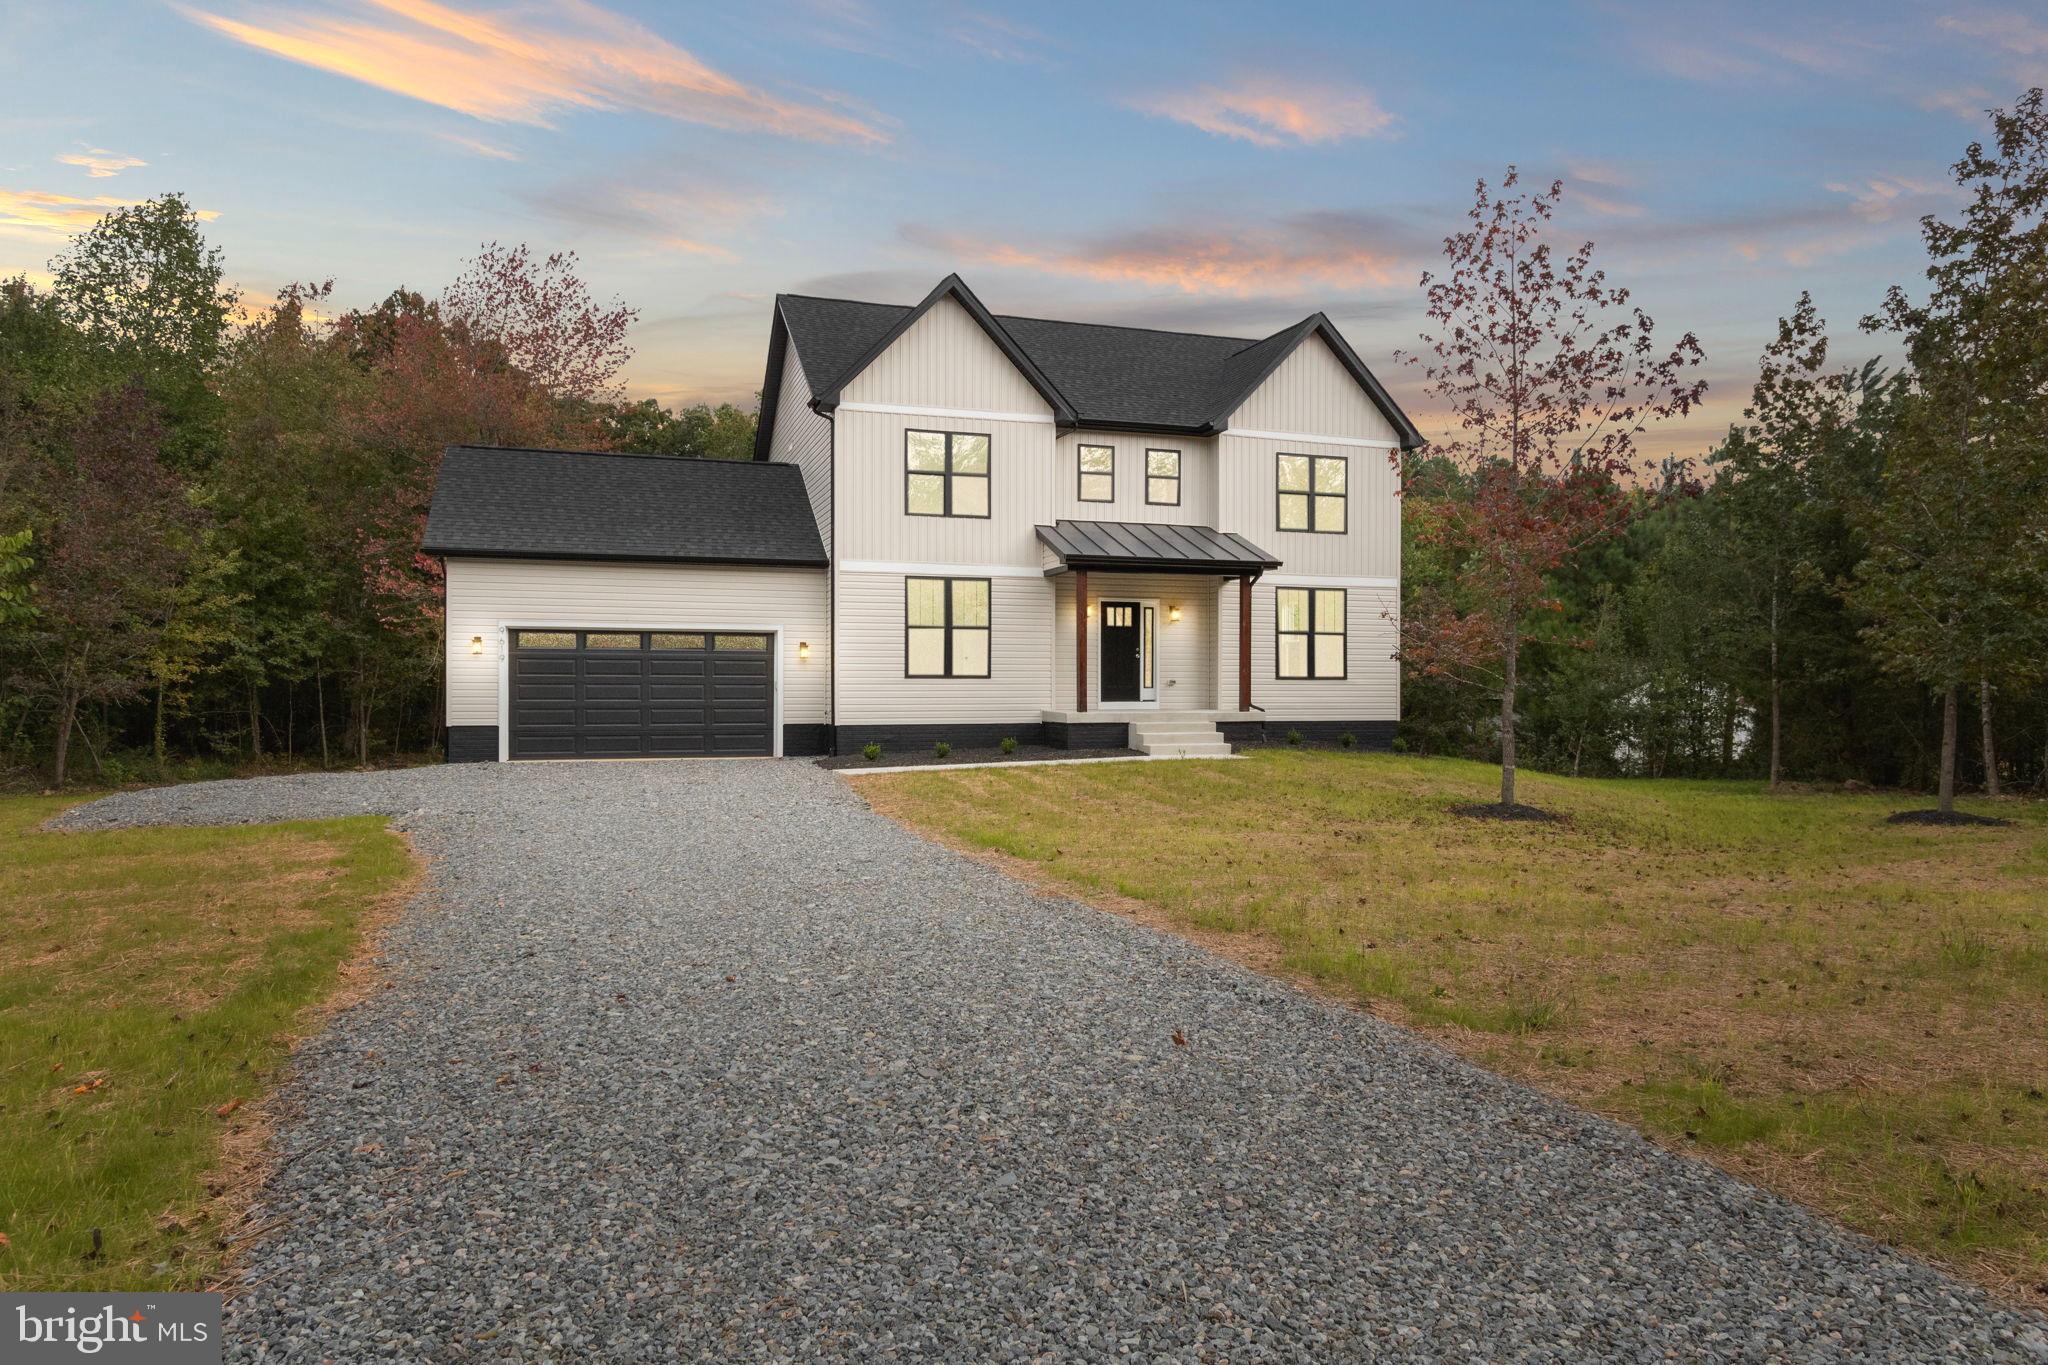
column 523, row 67
column 1313, row 251
column 99, row 163
column 61, row 215
column 1269, row 111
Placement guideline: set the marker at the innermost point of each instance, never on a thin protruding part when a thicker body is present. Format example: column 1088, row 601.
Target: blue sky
column 1226, row 168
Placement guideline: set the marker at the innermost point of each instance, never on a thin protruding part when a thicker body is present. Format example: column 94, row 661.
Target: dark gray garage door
column 640, row 694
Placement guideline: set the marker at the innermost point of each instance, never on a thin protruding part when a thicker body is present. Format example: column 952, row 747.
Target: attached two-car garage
column 630, row 606
column 641, row 694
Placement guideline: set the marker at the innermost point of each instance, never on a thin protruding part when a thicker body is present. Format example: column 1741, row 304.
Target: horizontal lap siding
column 873, row 690
column 1187, row 648
column 804, row 439
column 1371, row 692
column 484, row 593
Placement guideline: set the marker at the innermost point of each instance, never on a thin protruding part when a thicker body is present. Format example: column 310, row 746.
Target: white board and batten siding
column 1311, row 395
column 1197, row 479
column 944, row 360
column 942, row 374
column 486, row 595
column 1310, row 405
column 804, row 439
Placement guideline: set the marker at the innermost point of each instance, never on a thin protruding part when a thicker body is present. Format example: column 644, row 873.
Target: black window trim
column 989, row 630
column 1081, row 475
column 1311, row 494
column 1312, row 633
column 947, row 475
column 1150, row 451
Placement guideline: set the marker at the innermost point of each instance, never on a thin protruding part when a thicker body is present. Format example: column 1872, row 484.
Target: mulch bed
column 1942, row 817
column 925, row 758
column 1494, row 810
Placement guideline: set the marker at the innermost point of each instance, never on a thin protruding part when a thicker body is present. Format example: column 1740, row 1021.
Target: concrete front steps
column 1167, row 735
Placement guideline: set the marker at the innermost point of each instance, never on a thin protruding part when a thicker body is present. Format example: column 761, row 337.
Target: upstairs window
column 945, row 627
column 1312, row 493
column 1308, row 632
column 1162, row 478
column 1098, row 474
column 945, row 474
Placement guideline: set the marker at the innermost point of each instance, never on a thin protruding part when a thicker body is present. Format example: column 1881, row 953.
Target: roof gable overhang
column 771, row 385
column 954, row 288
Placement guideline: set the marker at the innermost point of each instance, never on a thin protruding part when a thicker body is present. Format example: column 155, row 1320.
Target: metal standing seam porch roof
column 1158, row 546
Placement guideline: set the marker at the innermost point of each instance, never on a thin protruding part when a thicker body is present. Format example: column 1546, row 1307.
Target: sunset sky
column 1206, row 167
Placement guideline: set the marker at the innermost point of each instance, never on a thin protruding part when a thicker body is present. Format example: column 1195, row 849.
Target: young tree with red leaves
column 1550, row 375
column 540, row 313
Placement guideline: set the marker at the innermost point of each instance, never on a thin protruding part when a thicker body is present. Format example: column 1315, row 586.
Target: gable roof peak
column 826, row 396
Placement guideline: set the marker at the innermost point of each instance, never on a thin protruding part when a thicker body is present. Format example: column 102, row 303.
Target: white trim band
column 948, row 414
column 942, row 570
column 1371, row 443
column 1298, row 580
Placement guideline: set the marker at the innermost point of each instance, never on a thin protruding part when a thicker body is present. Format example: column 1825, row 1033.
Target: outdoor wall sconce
column 803, row 649
column 476, row 644
column 1091, row 611
column 1173, row 613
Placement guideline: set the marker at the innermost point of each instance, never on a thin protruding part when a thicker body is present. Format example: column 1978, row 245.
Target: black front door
column 1121, row 638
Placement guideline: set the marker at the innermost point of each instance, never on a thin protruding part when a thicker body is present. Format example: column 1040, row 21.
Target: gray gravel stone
column 708, row 1061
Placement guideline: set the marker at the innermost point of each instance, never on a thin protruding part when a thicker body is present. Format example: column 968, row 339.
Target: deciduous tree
column 1550, row 374
column 120, row 529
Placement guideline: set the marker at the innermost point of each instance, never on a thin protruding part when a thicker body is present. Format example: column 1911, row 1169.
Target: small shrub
column 1965, row 952
column 1400, row 745
column 1294, row 737
column 1347, row 740
column 1009, row 744
column 871, row 751
column 942, row 748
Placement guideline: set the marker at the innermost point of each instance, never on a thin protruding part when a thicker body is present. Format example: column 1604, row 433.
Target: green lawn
column 1853, row 1013
column 149, row 989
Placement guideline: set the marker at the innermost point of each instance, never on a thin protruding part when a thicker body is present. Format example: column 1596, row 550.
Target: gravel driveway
column 708, row 1061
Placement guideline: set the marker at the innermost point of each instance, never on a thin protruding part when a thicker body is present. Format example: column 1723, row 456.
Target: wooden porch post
column 1080, row 639
column 1244, row 642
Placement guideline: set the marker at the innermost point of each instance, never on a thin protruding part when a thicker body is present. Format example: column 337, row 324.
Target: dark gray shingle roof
column 570, row 504
column 1155, row 545
column 1109, row 376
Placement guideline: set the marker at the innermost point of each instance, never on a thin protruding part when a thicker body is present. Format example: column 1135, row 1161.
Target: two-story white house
column 957, row 526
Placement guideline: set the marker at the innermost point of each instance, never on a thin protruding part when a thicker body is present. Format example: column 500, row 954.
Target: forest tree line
column 210, row 512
